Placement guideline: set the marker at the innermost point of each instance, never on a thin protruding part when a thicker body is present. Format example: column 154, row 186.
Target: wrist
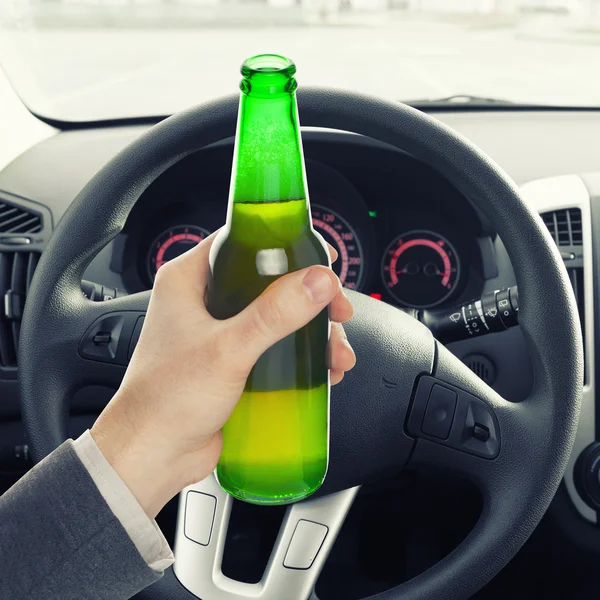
column 152, row 466
column 141, row 469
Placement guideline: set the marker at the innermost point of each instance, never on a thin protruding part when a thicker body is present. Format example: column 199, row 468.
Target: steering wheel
column 379, row 411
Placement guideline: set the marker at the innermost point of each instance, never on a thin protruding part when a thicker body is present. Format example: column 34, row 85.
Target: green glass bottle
column 275, row 444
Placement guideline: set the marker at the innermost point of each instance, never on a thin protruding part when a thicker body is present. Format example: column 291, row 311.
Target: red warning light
column 376, row 296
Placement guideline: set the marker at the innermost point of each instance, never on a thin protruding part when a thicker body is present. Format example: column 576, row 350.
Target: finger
column 192, row 266
column 284, row 307
column 333, row 253
column 198, row 255
column 341, row 354
column 335, row 377
column 340, row 309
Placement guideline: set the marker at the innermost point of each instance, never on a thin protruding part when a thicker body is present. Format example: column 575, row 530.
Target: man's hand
column 162, row 429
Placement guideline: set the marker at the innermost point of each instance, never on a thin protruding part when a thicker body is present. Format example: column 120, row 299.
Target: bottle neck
column 268, row 164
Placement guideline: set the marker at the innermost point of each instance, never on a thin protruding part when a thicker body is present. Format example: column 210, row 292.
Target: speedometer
column 349, row 266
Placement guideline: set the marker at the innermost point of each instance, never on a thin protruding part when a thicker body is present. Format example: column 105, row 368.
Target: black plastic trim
column 99, row 124
column 121, row 325
column 468, row 410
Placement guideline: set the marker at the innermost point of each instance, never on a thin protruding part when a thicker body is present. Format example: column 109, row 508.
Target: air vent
column 18, row 220
column 564, row 226
column 16, row 273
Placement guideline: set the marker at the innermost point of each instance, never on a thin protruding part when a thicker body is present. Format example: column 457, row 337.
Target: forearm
column 60, row 540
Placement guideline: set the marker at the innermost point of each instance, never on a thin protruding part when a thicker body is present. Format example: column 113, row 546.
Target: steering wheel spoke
column 103, row 336
column 107, row 343
column 464, row 427
column 305, row 539
column 85, row 343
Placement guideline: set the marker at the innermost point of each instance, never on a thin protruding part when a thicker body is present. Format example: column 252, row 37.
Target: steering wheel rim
column 537, row 434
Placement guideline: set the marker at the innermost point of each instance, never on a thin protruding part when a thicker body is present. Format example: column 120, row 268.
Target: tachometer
column 171, row 243
column 337, row 231
column 420, row 269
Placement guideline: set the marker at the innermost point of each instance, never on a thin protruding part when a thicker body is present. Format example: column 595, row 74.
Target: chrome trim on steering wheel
column 200, row 541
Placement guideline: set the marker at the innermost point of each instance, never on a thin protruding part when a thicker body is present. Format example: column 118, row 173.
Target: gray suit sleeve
column 59, row 540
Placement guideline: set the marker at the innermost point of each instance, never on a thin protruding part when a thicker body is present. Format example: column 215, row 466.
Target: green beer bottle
column 275, row 444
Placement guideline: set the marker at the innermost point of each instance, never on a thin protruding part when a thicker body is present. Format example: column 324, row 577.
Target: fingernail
column 318, row 285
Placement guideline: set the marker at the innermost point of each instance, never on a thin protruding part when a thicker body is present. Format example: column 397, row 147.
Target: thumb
column 284, row 307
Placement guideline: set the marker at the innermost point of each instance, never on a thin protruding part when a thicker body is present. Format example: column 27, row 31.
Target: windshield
column 84, row 60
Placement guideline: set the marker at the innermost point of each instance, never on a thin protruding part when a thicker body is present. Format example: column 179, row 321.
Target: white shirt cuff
column 143, row 531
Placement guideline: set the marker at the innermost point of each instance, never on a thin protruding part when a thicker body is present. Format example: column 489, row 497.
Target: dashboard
column 402, row 233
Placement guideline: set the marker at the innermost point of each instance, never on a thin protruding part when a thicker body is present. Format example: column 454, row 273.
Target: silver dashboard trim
column 556, row 193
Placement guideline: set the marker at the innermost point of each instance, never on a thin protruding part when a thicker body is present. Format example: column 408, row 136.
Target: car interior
column 425, row 181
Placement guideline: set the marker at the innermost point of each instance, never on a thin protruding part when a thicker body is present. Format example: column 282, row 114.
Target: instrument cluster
column 419, row 268
column 401, row 252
